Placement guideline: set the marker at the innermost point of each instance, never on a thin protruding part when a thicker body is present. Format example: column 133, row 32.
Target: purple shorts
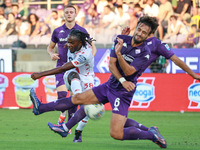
column 119, row 100
column 59, row 79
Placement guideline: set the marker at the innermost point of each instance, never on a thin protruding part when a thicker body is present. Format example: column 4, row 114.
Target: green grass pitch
column 21, row 130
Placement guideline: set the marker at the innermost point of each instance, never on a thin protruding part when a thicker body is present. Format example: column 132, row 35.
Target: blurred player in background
column 59, row 37
column 128, row 56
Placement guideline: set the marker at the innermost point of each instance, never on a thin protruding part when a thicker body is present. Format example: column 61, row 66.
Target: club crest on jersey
column 137, row 51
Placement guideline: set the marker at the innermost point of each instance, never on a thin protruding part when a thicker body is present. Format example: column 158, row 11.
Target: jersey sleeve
column 164, row 50
column 142, row 59
column 54, row 37
column 112, row 52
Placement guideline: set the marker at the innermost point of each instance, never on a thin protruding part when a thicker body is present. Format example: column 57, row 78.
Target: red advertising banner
column 155, row 92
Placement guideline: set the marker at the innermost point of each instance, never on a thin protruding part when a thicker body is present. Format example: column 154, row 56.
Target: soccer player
column 128, row 56
column 79, row 75
column 59, row 37
column 162, row 49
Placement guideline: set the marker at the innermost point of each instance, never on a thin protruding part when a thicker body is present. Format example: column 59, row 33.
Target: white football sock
column 82, row 123
column 76, row 86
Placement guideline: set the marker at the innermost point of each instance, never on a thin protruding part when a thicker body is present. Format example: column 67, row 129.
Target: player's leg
column 88, row 83
column 131, row 122
column 62, row 93
column 120, row 103
column 70, row 78
column 85, row 98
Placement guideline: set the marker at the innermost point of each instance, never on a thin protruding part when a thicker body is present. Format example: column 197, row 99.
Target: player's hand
column 54, row 56
column 35, row 75
column 126, row 31
column 129, row 86
column 118, row 46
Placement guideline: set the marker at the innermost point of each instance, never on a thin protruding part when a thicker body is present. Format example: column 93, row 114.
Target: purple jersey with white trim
column 134, row 56
column 59, row 36
column 157, row 49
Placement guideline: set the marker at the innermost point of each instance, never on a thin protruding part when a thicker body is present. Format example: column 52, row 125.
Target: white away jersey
column 83, row 60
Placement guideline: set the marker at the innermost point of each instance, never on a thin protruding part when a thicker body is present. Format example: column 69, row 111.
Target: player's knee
column 76, row 99
column 116, row 135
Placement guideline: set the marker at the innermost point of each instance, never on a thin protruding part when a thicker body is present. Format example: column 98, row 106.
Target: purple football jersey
column 157, row 49
column 134, row 56
column 59, row 36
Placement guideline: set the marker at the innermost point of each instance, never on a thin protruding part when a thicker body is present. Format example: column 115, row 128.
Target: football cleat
column 58, row 129
column 36, row 102
column 158, row 138
column 78, row 137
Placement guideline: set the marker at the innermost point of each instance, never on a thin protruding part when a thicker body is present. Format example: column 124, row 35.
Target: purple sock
column 78, row 116
column 62, row 94
column 130, row 123
column 58, row 105
column 133, row 133
column 71, row 111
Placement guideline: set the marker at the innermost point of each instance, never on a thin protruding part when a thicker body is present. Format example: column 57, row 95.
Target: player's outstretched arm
column 183, row 66
column 65, row 67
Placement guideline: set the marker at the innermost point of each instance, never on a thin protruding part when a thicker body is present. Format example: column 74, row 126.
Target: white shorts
column 87, row 82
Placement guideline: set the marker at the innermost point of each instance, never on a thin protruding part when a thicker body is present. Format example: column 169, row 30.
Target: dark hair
column 83, row 37
column 29, row 16
column 70, row 6
column 152, row 22
column 194, row 25
column 55, row 11
column 173, row 16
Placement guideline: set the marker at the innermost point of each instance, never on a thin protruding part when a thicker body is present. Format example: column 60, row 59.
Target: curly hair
column 83, row 37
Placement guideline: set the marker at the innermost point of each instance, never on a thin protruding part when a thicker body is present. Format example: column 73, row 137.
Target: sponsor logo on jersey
column 144, row 94
column 81, row 59
column 62, row 39
column 194, row 95
column 128, row 58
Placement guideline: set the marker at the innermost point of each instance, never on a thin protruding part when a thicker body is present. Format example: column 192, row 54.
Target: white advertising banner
column 6, row 64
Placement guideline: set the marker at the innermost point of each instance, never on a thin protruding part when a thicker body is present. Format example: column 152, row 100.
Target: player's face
column 141, row 33
column 73, row 44
column 69, row 14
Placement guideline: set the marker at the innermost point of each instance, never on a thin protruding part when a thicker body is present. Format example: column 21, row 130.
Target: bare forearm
column 182, row 65
column 127, row 69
